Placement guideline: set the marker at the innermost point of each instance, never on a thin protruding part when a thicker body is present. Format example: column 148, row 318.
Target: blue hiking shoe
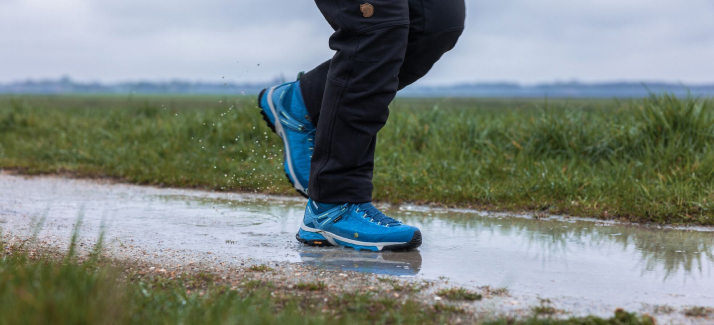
column 293, row 126
column 356, row 225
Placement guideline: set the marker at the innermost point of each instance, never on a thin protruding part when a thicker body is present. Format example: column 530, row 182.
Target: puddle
column 578, row 260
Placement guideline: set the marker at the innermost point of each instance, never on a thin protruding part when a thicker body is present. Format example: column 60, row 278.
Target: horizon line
column 67, row 79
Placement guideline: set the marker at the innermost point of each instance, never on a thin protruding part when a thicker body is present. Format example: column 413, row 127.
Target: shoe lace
column 373, row 214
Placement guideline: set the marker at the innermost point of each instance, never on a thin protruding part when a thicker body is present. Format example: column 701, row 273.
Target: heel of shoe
column 267, row 116
column 312, row 238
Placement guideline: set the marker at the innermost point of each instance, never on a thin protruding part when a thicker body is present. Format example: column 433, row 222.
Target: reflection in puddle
column 619, row 264
column 389, row 263
column 666, row 252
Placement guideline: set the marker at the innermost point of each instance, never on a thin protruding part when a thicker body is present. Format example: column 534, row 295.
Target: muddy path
column 582, row 266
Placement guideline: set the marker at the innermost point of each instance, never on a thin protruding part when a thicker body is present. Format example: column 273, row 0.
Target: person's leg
column 361, row 82
column 361, row 90
column 435, row 26
column 312, row 87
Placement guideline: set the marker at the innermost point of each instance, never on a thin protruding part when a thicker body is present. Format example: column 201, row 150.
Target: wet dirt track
column 583, row 264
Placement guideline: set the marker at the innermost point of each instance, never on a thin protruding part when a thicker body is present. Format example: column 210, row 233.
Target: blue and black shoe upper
column 284, row 110
column 357, row 225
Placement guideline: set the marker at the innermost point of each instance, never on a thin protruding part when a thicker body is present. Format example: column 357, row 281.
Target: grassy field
column 42, row 288
column 647, row 160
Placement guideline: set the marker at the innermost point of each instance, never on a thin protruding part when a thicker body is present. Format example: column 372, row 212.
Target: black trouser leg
column 312, row 86
column 361, row 82
column 347, row 97
column 435, row 26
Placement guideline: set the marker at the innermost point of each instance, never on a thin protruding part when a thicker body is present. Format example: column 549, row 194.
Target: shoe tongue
column 297, row 94
column 377, row 215
column 293, row 103
column 322, row 207
column 369, row 208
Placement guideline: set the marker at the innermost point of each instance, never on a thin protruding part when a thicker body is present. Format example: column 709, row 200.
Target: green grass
column 311, row 286
column 459, row 294
column 502, row 291
column 51, row 290
column 648, row 160
column 698, row 311
column 620, row 318
column 545, row 310
column 261, row 268
column 43, row 291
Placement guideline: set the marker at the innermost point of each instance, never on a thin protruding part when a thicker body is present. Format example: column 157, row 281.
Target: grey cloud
column 506, row 40
column 163, row 15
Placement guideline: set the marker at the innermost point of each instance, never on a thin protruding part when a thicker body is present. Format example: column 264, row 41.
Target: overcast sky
column 525, row 41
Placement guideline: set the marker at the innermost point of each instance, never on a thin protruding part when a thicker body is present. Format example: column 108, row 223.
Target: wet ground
column 583, row 264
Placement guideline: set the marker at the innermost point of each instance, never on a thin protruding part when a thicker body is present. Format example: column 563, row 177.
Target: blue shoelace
column 376, row 216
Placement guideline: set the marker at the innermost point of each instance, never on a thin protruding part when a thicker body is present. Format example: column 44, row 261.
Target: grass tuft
column 261, row 268
column 311, row 286
column 503, row 291
column 459, row 294
column 621, row 317
column 698, row 311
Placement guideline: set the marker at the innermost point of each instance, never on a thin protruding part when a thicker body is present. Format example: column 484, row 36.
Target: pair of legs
column 329, row 124
column 379, row 50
